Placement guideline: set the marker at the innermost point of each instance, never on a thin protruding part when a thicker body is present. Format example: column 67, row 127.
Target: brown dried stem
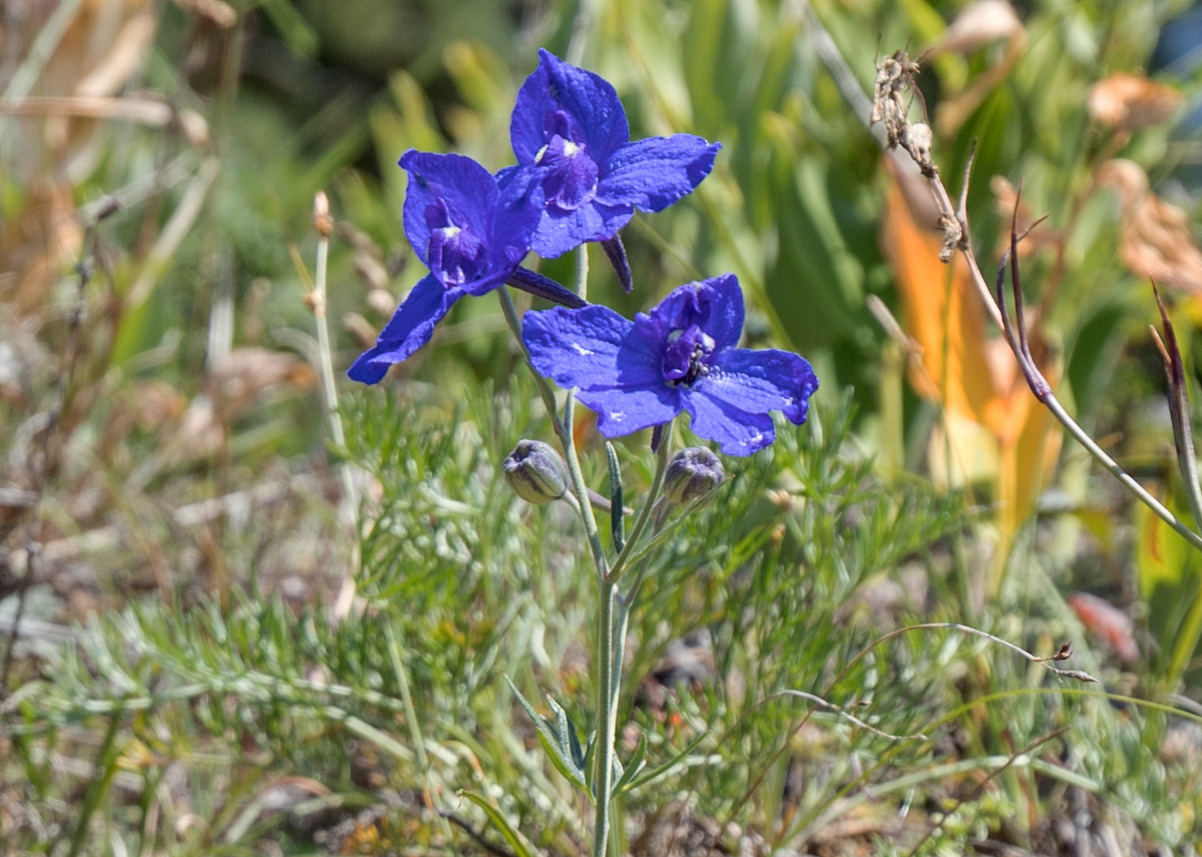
column 895, row 75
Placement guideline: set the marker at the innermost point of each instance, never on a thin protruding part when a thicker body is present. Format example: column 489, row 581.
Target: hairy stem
column 607, row 686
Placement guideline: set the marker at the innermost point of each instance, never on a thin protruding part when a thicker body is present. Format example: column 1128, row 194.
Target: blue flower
column 471, row 235
column 570, row 131
column 679, row 356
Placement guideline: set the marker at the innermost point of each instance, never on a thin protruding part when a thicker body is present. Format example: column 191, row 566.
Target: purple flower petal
column 652, row 174
column 446, row 192
column 571, row 176
column 593, row 347
column 738, row 432
column 678, row 356
column 762, row 381
column 470, row 232
column 570, row 126
column 410, row 328
column 560, row 99
column 621, row 411
column 518, row 212
column 715, row 305
column 560, row 231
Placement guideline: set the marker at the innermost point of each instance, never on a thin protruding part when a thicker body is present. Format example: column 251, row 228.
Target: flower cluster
column 679, row 356
column 579, row 179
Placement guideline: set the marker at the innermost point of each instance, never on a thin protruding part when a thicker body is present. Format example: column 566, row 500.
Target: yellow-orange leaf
column 973, row 376
column 938, row 311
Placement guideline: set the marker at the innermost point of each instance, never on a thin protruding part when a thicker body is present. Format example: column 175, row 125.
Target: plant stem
column 415, row 732
column 611, row 615
column 515, row 326
column 582, row 271
column 581, row 491
column 644, row 518
column 608, row 682
column 324, row 225
column 106, row 769
column 329, row 390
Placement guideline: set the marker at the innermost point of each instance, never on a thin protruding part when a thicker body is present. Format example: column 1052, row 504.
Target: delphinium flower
column 472, row 236
column 682, row 355
column 569, row 130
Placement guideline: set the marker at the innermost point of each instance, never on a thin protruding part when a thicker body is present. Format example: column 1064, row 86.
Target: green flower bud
column 692, row 473
column 535, row 472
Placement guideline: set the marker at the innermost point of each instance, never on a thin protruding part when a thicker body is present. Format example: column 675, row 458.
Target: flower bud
column 535, row 472
column 692, row 473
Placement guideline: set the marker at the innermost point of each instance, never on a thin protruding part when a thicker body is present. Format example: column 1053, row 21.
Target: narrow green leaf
column 567, row 730
column 634, row 766
column 676, row 761
column 561, row 762
column 516, row 841
column 292, row 26
column 382, row 740
column 554, row 739
column 617, row 525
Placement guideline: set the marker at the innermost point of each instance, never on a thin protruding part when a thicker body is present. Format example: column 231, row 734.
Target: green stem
column 563, row 428
column 515, row 326
column 581, row 491
column 106, row 769
column 1049, row 400
column 582, row 271
column 645, row 513
column 415, row 732
column 608, row 682
column 1127, row 481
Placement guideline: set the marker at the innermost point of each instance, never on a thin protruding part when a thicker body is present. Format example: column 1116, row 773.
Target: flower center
column 686, row 357
column 456, row 254
column 571, row 179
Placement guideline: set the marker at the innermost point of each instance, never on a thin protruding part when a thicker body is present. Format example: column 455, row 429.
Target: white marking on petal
column 450, row 232
column 753, row 440
column 617, row 416
column 538, row 158
column 581, row 350
column 570, row 149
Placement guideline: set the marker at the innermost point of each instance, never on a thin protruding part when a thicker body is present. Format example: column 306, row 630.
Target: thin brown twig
column 50, row 434
column 476, row 835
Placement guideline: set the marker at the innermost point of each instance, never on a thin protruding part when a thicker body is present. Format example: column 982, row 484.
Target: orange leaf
column 938, row 311
column 970, row 374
